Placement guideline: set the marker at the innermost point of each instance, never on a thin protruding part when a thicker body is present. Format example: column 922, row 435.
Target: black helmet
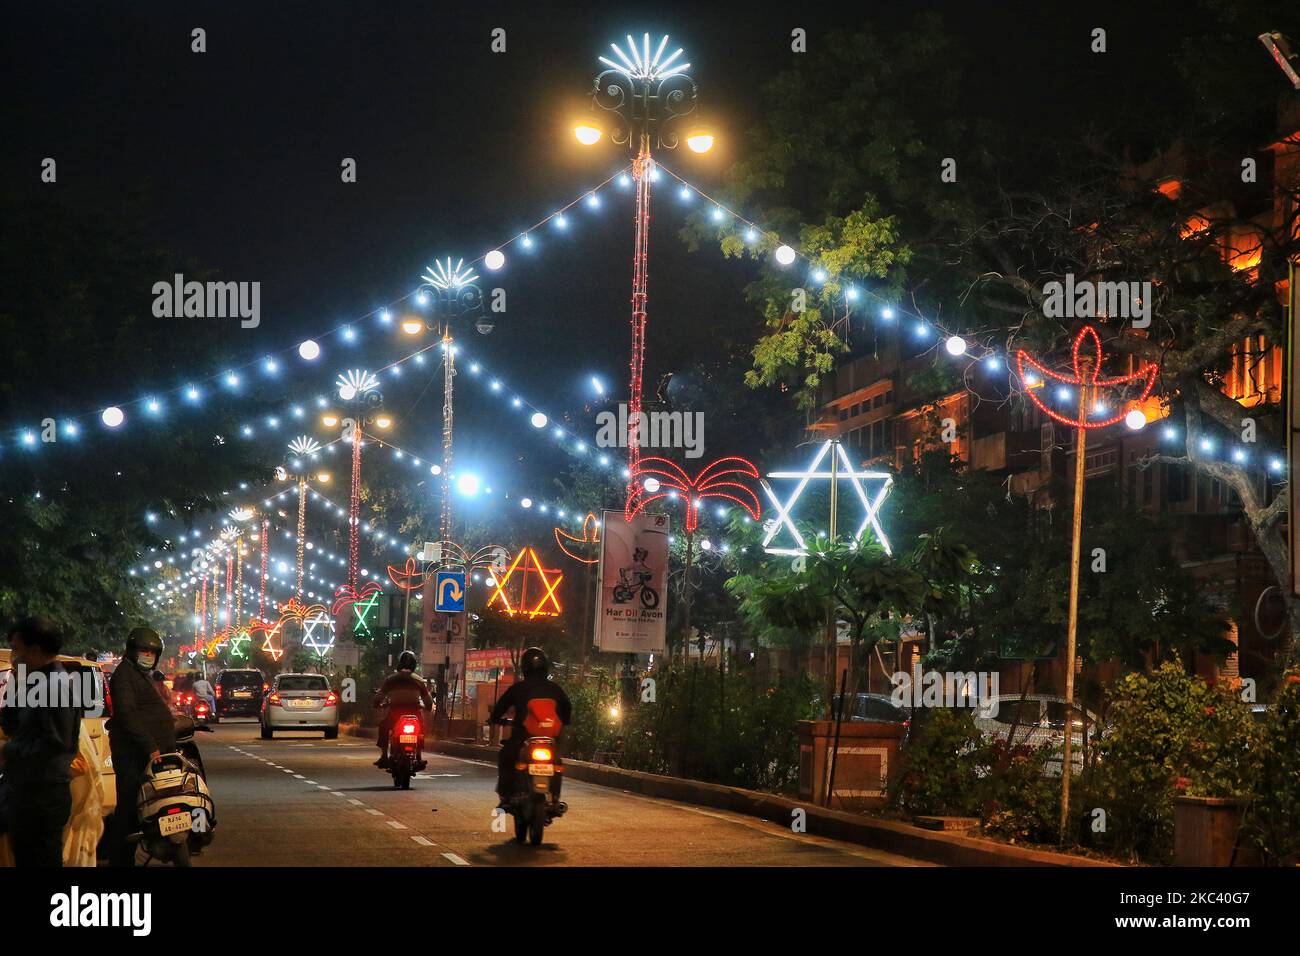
column 144, row 639
column 406, row 661
column 534, row 662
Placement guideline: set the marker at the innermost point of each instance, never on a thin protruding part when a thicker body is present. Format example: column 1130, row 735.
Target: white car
column 1038, row 720
column 300, row 702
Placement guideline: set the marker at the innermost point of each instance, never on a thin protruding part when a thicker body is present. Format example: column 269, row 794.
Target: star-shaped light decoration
column 318, row 632
column 529, row 566
column 443, row 275
column 1145, row 376
column 240, row 514
column 845, row 471
column 639, row 64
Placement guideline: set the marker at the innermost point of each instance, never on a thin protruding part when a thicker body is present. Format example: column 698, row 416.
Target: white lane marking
column 422, row 841
column 300, row 776
column 458, row 860
column 355, row 803
column 321, row 786
column 372, row 810
column 334, row 792
column 312, row 782
column 397, row 826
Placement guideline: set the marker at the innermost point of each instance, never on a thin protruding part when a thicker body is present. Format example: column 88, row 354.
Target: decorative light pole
column 1086, row 370
column 646, row 93
column 304, row 446
column 359, row 391
column 453, row 292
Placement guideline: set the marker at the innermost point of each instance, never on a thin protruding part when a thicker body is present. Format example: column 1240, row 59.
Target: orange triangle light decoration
column 535, row 596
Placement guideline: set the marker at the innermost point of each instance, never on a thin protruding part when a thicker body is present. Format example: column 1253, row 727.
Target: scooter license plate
column 408, row 738
column 174, row 823
column 541, row 770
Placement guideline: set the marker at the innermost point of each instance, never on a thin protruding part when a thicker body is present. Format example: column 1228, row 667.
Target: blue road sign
column 449, row 592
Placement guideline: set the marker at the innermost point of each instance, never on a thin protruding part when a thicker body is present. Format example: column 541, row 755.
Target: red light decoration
column 1146, row 374
column 347, row 595
column 354, row 512
column 527, row 563
column 266, row 544
column 713, row 481
column 640, row 294
column 588, row 542
column 409, row 577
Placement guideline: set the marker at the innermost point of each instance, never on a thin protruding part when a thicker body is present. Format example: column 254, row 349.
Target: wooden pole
column 1080, row 448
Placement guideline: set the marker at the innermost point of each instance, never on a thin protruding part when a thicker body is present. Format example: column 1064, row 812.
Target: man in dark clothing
column 402, row 692
column 140, row 729
column 43, row 733
column 536, row 688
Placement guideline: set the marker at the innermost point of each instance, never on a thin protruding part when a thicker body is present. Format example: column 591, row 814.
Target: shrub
column 1170, row 732
column 1272, row 820
column 942, row 766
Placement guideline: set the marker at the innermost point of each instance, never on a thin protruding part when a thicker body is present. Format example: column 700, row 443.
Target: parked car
column 239, row 693
column 872, row 708
column 300, row 702
column 1039, row 719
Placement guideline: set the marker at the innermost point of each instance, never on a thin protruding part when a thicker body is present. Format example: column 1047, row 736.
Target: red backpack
column 541, row 720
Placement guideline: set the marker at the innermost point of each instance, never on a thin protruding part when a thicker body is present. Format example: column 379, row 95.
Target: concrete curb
column 890, row 836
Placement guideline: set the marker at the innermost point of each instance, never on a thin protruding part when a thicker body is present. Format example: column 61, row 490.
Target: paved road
column 299, row 800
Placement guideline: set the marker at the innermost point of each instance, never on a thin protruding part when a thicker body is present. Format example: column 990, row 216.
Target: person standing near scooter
column 140, row 729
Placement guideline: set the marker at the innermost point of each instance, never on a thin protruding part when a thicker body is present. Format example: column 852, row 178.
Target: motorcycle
column 536, row 798
column 177, row 814
column 406, row 749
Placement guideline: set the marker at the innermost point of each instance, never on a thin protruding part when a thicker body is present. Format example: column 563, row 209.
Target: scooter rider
column 535, row 686
column 401, row 691
column 140, row 729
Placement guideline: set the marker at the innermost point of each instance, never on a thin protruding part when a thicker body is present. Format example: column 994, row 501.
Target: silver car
column 300, row 702
column 1038, row 720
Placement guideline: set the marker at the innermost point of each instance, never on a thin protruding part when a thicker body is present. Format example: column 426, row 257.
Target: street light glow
column 587, row 134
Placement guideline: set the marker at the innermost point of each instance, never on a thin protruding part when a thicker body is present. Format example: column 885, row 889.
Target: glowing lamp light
column 468, row 484
column 112, row 416
column 412, row 326
column 955, row 345
column 435, row 469
column 347, row 393
column 651, row 485
column 309, row 350
column 1135, row 419
column 383, row 421
column 700, row 141
column 538, row 420
column 784, row 255
column 329, row 421
column 526, row 502
column 494, row 260
column 587, row 134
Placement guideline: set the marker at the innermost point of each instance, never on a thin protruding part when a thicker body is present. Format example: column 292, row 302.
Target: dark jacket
column 42, row 739
column 404, row 689
column 517, row 697
column 141, row 722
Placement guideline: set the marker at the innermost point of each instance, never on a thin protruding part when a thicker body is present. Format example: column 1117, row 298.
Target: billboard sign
column 632, row 608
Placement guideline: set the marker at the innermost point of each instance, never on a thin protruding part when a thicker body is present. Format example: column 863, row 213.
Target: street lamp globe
column 587, row 134
column 785, row 255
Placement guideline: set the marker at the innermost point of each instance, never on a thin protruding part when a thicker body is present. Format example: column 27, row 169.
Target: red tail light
column 331, row 699
column 265, row 688
column 409, row 728
column 218, row 692
column 201, row 709
column 541, row 755
column 274, row 700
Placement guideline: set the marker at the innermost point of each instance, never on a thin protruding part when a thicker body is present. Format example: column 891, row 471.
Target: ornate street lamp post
column 646, row 93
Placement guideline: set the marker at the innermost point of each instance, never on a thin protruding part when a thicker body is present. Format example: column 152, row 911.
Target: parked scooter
column 176, row 810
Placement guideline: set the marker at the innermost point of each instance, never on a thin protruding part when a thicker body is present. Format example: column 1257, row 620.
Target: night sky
column 238, row 151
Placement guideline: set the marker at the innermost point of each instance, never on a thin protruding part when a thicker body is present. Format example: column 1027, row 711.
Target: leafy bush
column 1170, row 732
column 1272, row 821
column 951, row 769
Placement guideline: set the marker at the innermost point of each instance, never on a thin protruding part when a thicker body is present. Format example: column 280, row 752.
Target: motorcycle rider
column 535, row 686
column 140, row 729
column 202, row 689
column 402, row 691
